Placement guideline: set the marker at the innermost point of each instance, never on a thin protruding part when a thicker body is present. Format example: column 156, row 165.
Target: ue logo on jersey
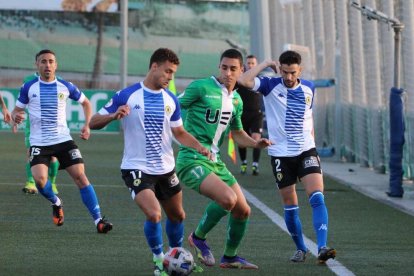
column 61, row 96
column 308, row 100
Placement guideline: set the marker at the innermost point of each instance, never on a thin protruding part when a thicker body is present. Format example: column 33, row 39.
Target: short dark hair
column 162, row 55
column 290, row 57
column 251, row 56
column 44, row 51
column 232, row 53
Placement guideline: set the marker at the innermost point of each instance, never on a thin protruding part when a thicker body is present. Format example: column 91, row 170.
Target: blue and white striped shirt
column 46, row 103
column 147, row 128
column 288, row 115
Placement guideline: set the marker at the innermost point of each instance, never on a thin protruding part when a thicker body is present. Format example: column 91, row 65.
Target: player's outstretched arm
column 99, row 121
column 188, row 140
column 244, row 140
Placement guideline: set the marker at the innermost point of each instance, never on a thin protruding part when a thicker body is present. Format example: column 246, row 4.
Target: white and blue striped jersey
column 147, row 128
column 46, row 104
column 288, row 115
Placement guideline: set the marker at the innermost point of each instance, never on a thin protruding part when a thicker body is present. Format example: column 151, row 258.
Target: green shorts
column 193, row 172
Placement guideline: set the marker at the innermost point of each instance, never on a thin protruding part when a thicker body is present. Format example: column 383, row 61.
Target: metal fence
column 359, row 54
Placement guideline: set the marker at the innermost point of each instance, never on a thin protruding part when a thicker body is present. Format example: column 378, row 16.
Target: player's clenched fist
column 18, row 116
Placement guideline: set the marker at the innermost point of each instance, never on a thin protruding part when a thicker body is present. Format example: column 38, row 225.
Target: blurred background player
column 45, row 98
column 252, row 120
column 30, row 187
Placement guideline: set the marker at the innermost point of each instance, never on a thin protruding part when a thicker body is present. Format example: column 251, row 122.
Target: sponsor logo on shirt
column 213, row 96
column 137, row 106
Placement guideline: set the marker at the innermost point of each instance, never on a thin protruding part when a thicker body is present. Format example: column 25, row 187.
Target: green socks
column 53, row 169
column 211, row 217
column 29, row 173
column 236, row 229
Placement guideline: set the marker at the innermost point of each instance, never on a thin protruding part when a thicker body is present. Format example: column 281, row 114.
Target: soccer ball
column 178, row 261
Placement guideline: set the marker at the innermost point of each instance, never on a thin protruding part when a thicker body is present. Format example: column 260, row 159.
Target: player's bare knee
column 242, row 213
column 228, row 202
column 178, row 217
column 246, row 212
column 154, row 217
column 81, row 180
column 181, row 216
column 40, row 181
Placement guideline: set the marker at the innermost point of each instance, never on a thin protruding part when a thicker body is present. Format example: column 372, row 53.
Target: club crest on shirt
column 61, row 96
column 168, row 109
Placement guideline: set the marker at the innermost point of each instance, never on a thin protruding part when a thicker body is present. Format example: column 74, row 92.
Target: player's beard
column 289, row 84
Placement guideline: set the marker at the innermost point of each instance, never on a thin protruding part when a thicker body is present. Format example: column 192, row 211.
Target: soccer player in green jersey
column 213, row 107
column 30, row 186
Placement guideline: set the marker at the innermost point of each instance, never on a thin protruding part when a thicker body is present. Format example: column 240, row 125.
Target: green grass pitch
column 370, row 238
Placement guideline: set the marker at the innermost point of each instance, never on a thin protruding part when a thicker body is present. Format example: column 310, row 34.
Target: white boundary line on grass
column 333, row 265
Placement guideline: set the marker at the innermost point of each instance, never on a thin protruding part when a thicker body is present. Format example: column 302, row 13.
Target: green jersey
column 210, row 113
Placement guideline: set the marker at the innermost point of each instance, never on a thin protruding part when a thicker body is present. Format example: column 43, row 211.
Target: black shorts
column 288, row 169
column 252, row 121
column 67, row 153
column 164, row 186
